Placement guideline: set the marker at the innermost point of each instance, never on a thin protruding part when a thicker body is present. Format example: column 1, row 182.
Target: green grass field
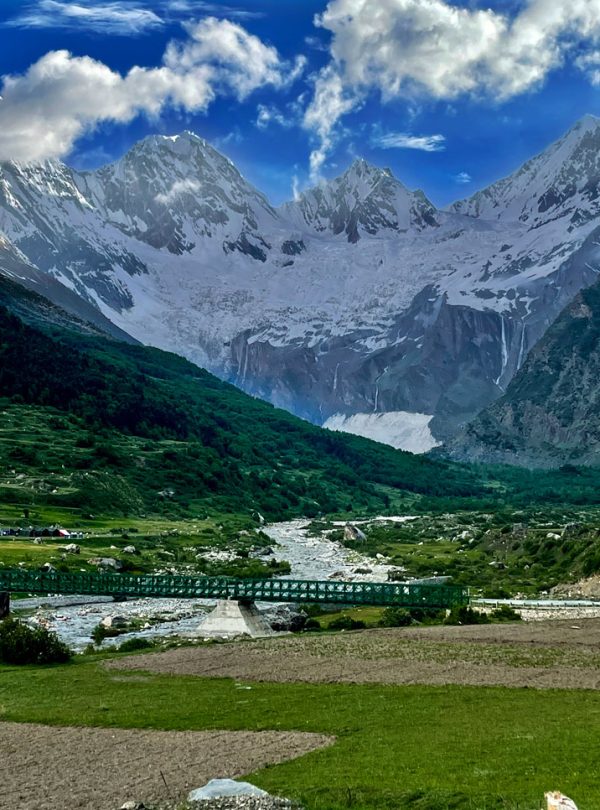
column 424, row 748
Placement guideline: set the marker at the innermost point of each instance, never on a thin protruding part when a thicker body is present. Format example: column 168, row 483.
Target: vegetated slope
column 169, row 432
column 550, row 413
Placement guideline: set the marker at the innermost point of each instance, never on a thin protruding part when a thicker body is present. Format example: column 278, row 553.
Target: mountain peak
column 561, row 181
column 586, row 123
column 363, row 200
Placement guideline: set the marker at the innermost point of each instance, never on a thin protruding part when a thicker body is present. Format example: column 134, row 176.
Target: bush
column 466, row 615
column 134, row 644
column 505, row 614
column 346, row 623
column 20, row 644
column 100, row 632
column 395, row 617
column 312, row 624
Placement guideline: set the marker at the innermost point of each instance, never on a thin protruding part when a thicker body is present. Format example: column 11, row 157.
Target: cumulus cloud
column 240, row 60
column 403, row 140
column 106, row 18
column 434, row 48
column 61, row 96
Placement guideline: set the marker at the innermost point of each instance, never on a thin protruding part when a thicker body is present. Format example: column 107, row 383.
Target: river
column 74, row 618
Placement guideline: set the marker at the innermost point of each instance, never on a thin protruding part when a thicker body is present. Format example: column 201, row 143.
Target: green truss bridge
column 398, row 594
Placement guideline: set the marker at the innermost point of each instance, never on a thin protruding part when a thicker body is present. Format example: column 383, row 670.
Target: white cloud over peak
column 403, row 140
column 329, row 103
column 439, row 50
column 61, row 96
column 107, row 18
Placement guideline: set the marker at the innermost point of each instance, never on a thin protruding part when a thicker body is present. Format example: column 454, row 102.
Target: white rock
column 217, row 788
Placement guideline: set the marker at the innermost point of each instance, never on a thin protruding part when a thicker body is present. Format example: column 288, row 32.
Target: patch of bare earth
column 48, row 768
column 542, row 655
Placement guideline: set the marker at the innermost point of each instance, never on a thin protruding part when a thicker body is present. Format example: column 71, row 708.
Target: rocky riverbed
column 74, row 618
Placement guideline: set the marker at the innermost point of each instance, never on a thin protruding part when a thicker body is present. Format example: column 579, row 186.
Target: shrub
column 346, row 623
column 100, row 632
column 20, row 644
column 505, row 614
column 395, row 617
column 466, row 615
column 312, row 624
column 133, row 644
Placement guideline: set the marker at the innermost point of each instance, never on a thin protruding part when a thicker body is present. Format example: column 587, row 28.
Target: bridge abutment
column 232, row 618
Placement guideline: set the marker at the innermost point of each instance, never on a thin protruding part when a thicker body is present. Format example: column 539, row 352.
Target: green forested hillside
column 124, row 423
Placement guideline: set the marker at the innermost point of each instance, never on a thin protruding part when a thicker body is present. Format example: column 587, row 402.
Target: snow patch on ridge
column 400, row 429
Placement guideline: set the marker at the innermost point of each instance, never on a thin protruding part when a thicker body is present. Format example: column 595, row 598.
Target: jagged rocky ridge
column 550, row 414
column 358, row 300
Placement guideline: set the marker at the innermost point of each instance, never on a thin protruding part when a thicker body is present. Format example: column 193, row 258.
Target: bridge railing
column 399, row 594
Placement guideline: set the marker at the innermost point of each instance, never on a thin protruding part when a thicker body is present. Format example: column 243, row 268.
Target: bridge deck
column 264, row 590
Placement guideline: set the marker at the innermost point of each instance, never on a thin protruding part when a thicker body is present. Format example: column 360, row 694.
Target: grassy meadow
column 423, row 748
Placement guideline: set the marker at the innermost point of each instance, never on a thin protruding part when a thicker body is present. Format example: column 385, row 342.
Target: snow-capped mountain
column 363, row 200
column 358, row 305
column 561, row 182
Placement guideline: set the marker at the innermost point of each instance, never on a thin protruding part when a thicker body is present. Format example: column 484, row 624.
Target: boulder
column 256, row 553
column 285, row 618
column 72, row 548
column 115, row 622
column 106, row 562
column 48, row 568
column 558, row 801
column 130, row 550
column 222, row 788
column 353, row 533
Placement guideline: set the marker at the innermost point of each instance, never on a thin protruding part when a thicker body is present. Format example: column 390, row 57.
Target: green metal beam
column 263, row 590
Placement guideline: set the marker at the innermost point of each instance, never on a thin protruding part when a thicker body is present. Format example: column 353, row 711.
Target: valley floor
column 371, row 746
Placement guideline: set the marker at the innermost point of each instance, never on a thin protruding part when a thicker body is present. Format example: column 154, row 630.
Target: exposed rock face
column 550, row 413
column 358, row 298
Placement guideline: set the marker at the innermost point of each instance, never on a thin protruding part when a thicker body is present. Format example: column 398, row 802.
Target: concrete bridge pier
column 4, row 604
column 233, row 617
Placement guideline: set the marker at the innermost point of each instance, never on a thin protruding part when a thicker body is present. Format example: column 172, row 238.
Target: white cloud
column 436, row 49
column 108, row 18
column 462, row 178
column 330, row 102
column 61, row 96
column 241, row 61
column 189, row 7
column 403, row 140
column 267, row 115
column 179, row 187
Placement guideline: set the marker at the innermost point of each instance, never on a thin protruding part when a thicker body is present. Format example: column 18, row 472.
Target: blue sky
column 449, row 95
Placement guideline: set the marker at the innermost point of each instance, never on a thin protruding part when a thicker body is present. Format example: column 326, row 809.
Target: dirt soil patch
column 542, row 655
column 48, row 768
